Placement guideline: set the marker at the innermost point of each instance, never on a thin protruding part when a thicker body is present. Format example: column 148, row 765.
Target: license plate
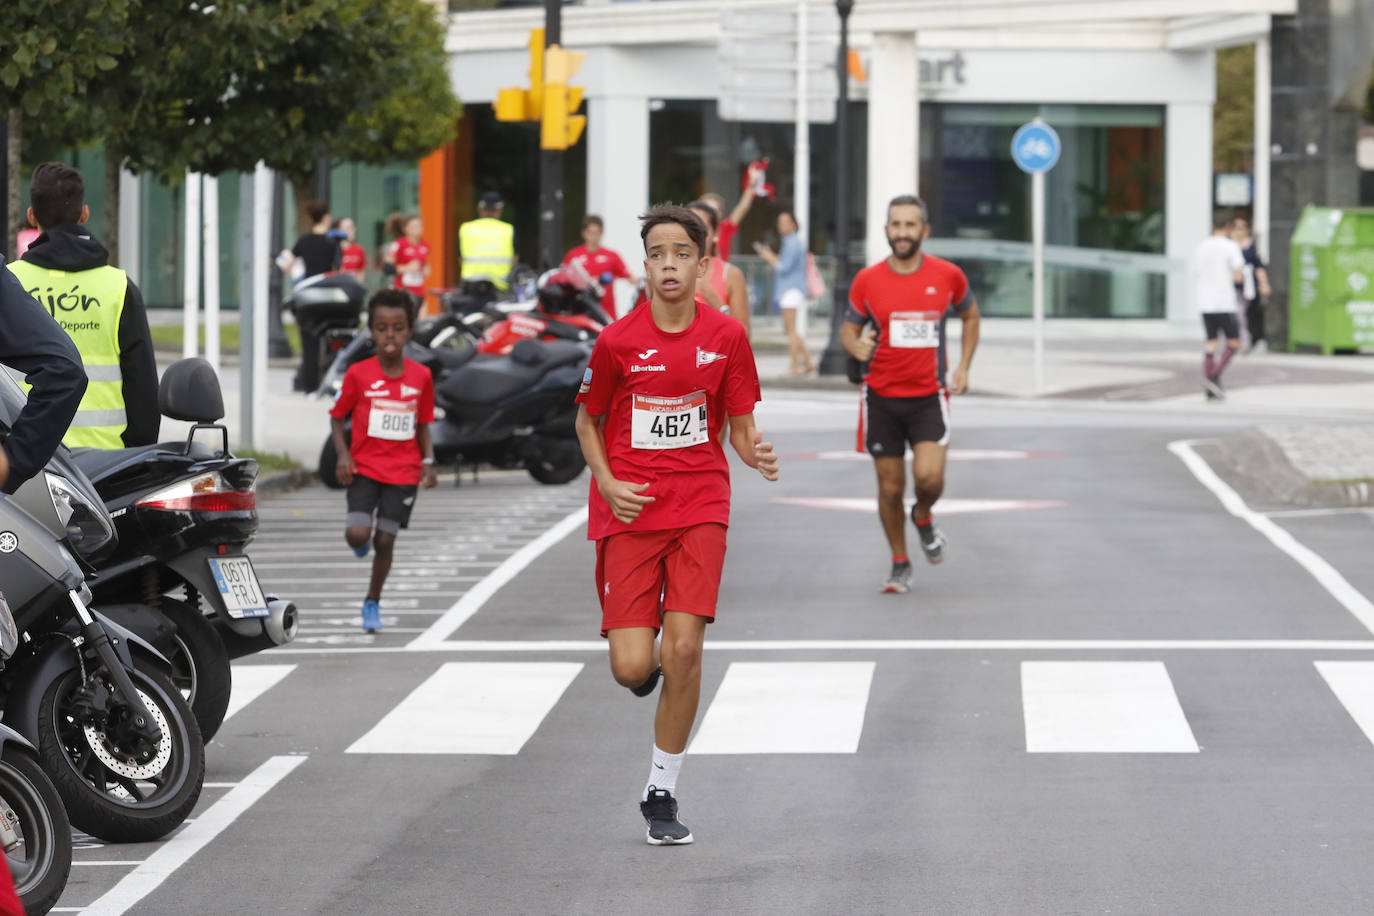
column 238, row 586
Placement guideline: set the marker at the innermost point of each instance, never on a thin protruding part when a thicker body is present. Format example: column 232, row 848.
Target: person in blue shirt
column 789, row 288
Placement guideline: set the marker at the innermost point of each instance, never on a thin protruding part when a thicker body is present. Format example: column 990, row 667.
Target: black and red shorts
column 641, row 574
column 888, row 425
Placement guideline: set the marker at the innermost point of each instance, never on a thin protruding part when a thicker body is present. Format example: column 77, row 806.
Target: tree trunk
column 304, row 188
column 12, row 160
column 112, row 206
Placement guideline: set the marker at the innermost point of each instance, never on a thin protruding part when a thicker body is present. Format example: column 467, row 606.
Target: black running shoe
column 660, row 813
column 646, row 688
column 899, row 580
column 933, row 543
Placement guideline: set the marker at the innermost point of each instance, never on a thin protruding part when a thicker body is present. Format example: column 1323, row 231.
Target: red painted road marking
column 943, row 507
column 955, row 454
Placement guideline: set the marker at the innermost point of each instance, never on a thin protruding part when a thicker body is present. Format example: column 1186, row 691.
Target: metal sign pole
column 801, row 164
column 190, row 267
column 247, row 252
column 1038, row 278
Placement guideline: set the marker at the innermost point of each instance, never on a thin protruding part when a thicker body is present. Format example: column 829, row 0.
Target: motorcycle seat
column 487, row 380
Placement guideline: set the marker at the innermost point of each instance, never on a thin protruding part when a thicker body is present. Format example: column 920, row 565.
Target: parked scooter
column 184, row 513
column 116, row 737
column 34, row 831
column 327, row 308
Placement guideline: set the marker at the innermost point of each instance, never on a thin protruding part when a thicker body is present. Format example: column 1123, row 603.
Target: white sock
column 663, row 772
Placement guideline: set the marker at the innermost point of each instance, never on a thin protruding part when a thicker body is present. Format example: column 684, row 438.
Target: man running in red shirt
column 662, row 384
column 600, row 263
column 907, row 297
column 391, row 401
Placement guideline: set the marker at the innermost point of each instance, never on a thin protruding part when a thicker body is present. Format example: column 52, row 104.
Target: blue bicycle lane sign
column 1035, row 147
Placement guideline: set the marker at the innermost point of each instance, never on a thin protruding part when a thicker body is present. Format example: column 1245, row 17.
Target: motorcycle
column 327, row 308
column 34, row 831
column 568, row 308
column 184, row 514
column 95, row 700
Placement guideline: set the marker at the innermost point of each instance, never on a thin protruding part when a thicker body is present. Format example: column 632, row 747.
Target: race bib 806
column 394, row 420
column 676, row 422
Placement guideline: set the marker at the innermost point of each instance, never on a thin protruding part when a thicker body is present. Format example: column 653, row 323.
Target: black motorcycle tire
column 88, row 787
column 329, row 465
column 200, row 665
column 560, row 472
column 40, row 867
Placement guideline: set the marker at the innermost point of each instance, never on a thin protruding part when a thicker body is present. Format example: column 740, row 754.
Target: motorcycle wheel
column 565, row 470
column 329, row 465
column 114, row 787
column 200, row 665
column 42, row 861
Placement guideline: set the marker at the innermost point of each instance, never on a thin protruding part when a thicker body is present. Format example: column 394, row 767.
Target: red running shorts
column 641, row 574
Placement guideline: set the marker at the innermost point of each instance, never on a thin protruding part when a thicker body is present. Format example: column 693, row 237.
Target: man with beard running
column 906, row 299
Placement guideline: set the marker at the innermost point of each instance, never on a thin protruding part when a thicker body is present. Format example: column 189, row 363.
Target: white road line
column 251, row 681
column 1353, row 685
column 479, row 594
column 101, row 863
column 947, row 506
column 1103, row 708
column 787, row 708
column 890, row 645
column 471, row 708
column 175, row 852
column 1304, row 513
column 1326, row 575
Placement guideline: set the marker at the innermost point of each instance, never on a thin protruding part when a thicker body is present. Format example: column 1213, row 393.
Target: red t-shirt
column 910, row 311
column 354, row 258
column 599, row 263
column 665, row 398
column 387, row 412
column 725, row 234
column 406, row 251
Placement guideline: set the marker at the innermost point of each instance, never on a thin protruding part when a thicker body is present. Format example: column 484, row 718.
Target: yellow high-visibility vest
column 88, row 305
column 487, row 247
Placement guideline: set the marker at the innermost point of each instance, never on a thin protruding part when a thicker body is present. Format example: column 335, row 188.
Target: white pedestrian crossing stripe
column 787, row 708
column 251, row 681
column 1103, row 708
column 1353, row 684
column 471, row 708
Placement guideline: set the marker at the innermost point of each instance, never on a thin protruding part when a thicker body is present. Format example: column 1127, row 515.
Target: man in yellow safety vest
column 486, row 244
column 99, row 307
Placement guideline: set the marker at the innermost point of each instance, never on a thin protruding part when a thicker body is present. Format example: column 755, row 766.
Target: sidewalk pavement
column 1111, row 367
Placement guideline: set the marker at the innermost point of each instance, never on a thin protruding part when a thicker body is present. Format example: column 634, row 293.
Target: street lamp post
column 833, row 360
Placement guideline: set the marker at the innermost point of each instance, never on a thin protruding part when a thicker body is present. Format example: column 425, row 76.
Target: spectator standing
column 602, row 264
column 1254, row 288
column 486, row 245
column 353, row 259
column 316, row 251
column 729, row 224
column 1216, row 272
column 789, row 288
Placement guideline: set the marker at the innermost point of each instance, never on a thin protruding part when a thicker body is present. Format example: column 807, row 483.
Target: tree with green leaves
column 1233, row 115
column 52, row 53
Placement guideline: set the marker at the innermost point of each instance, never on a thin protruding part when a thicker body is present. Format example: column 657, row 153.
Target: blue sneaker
column 362, row 551
column 372, row 616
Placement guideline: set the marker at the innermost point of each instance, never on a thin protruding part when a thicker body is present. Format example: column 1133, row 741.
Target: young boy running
column 391, row 400
column 660, row 387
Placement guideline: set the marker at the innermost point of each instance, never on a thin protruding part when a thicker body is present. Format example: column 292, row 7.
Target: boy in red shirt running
column 599, row 262
column 907, row 297
column 661, row 384
column 391, row 400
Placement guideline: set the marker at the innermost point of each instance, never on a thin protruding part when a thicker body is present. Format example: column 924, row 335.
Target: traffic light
column 562, row 126
column 517, row 104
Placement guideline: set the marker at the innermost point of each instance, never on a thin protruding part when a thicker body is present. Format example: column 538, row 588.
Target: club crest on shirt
column 706, row 357
column 407, row 391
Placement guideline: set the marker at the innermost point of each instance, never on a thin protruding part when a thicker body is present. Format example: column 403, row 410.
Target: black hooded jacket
column 70, row 247
column 35, row 344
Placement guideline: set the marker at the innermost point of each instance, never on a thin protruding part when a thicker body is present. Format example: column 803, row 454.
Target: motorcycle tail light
column 206, row 493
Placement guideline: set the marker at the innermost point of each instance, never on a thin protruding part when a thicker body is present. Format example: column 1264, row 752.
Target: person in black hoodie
column 99, row 307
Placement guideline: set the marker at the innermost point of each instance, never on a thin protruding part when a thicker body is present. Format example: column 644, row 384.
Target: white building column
column 618, row 170
column 1188, row 204
column 894, row 118
column 1263, row 146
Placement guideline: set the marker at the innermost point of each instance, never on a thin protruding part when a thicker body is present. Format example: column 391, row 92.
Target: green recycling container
column 1331, row 280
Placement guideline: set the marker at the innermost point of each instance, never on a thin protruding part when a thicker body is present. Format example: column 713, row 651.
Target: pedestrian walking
column 69, row 272
column 352, row 258
column 789, row 288
column 723, row 288
column 1254, row 287
column 602, row 264
column 662, row 384
column 1217, row 270
column 908, row 297
column 409, row 256
column 391, row 402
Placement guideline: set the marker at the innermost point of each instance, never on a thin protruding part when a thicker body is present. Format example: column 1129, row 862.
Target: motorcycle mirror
column 190, row 391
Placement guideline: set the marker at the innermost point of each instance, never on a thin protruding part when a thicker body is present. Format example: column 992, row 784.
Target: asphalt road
column 1116, row 696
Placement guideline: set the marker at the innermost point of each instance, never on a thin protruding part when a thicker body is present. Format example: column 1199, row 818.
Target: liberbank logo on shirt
column 659, row 368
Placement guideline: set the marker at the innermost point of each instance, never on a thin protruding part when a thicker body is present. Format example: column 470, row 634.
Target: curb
column 274, row 483
column 1257, row 466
